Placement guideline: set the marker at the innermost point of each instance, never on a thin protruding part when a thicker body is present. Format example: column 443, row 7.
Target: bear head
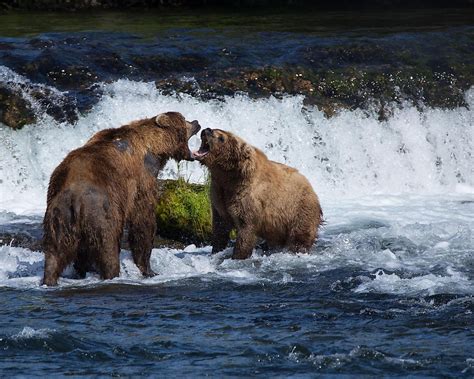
column 173, row 132
column 224, row 150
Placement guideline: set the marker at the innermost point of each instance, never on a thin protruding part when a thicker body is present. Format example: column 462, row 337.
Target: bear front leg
column 246, row 240
column 220, row 231
column 141, row 233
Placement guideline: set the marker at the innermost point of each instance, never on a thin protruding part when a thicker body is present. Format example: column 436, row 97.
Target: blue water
column 374, row 297
column 198, row 328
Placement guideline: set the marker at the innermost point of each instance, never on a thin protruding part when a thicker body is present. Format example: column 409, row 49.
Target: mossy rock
column 183, row 211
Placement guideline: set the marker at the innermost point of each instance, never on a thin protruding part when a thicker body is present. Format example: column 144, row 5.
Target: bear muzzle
column 195, row 127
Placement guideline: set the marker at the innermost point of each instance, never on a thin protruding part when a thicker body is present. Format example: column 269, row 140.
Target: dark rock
column 15, row 111
column 50, row 69
column 41, row 43
column 61, row 108
column 72, row 77
column 5, row 46
column 380, row 87
column 165, row 64
column 21, row 239
column 381, row 72
column 112, row 63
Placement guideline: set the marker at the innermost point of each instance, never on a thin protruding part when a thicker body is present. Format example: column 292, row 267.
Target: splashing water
column 349, row 155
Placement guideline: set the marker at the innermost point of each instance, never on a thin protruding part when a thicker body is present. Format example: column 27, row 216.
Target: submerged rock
column 22, row 104
column 377, row 74
column 348, row 88
column 15, row 111
column 20, row 239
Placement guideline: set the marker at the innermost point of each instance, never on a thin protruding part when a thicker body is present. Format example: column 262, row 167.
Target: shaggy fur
column 108, row 184
column 258, row 197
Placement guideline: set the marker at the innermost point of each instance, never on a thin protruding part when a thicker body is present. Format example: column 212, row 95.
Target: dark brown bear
column 108, row 184
column 258, row 197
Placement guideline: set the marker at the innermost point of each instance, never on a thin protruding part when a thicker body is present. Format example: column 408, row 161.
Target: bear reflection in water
column 258, row 197
column 105, row 185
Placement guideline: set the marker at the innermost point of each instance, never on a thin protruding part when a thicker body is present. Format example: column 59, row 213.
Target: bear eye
column 221, row 139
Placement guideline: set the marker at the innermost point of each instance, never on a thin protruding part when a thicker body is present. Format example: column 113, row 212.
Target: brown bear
column 258, row 197
column 105, row 185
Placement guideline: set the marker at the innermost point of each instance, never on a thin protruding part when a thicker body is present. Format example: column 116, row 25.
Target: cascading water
column 349, row 155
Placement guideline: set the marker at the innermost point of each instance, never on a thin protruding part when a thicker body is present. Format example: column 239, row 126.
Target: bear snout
column 206, row 132
column 195, row 127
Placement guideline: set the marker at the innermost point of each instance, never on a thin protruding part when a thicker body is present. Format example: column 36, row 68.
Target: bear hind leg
column 301, row 242
column 109, row 259
column 52, row 269
column 55, row 262
column 141, row 234
column 100, row 248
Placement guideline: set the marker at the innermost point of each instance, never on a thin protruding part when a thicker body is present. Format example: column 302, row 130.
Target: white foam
column 452, row 282
column 29, row 333
column 410, row 245
column 338, row 360
column 16, row 263
column 22, row 268
column 349, row 155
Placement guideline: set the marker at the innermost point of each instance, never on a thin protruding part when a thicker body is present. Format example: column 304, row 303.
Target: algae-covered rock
column 183, row 211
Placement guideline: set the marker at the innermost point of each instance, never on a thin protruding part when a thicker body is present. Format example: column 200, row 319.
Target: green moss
column 272, row 73
column 183, row 211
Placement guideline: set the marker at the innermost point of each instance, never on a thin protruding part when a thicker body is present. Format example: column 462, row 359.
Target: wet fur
column 108, row 184
column 258, row 197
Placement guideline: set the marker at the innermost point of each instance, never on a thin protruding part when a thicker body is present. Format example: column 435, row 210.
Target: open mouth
column 195, row 128
column 203, row 150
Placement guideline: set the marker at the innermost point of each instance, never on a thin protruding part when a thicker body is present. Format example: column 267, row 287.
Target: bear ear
column 163, row 120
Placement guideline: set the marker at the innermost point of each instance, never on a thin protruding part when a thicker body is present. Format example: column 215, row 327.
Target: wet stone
column 15, row 111
column 23, row 240
column 378, row 74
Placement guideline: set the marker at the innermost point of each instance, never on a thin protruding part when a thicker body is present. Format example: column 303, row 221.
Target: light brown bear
column 258, row 197
column 108, row 184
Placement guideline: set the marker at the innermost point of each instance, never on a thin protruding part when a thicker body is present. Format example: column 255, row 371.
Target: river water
column 388, row 289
